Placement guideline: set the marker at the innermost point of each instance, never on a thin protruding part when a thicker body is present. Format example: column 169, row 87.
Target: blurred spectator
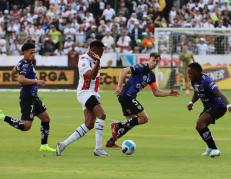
column 55, row 36
column 84, row 20
column 68, row 44
column 2, row 46
column 48, row 48
column 73, row 57
column 108, row 13
column 123, row 42
column 109, row 42
column 202, row 47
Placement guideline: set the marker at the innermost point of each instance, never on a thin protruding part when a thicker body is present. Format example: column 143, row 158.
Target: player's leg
column 206, row 118
column 27, row 110
column 41, row 112
column 78, row 133
column 94, row 105
column 131, row 109
column 202, row 128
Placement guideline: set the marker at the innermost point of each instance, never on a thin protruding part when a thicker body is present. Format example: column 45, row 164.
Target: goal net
column 209, row 47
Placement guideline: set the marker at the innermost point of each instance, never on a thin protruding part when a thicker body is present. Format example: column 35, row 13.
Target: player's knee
column 102, row 116
column 199, row 126
column 90, row 125
column 46, row 119
column 27, row 127
column 145, row 120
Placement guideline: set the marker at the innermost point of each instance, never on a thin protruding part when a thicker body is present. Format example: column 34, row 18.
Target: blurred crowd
column 59, row 27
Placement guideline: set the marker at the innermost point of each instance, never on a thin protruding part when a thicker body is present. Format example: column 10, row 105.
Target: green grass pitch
column 168, row 147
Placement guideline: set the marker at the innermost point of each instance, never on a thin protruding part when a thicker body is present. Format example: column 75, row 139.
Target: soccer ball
column 128, row 147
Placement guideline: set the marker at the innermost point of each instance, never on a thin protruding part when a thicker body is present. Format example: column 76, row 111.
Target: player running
column 30, row 103
column 141, row 76
column 88, row 97
column 215, row 105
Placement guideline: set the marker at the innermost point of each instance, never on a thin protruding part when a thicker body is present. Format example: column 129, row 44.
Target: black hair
column 27, row 46
column 195, row 66
column 97, row 44
column 155, row 55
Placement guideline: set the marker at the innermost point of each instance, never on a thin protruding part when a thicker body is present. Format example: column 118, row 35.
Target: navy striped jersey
column 27, row 69
column 141, row 77
column 204, row 89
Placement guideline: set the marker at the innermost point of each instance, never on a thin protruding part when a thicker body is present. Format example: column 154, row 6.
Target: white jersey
column 87, row 84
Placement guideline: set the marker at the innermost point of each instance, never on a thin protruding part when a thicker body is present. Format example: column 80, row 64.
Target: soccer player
column 88, row 97
column 30, row 103
column 215, row 105
column 141, row 76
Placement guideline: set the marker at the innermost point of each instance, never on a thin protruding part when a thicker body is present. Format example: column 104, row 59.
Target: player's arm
column 14, row 70
column 218, row 92
column 194, row 99
column 159, row 93
column 94, row 71
column 122, row 76
column 25, row 81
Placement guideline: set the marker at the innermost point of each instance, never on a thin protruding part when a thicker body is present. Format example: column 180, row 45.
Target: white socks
column 99, row 127
column 80, row 132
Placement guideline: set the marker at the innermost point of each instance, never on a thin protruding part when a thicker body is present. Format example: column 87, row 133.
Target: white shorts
column 84, row 96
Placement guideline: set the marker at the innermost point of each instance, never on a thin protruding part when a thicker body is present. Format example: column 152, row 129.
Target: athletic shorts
column 86, row 98
column 30, row 107
column 215, row 112
column 130, row 106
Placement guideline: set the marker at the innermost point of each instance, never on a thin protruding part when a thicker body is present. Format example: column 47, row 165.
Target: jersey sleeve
column 153, row 84
column 211, row 85
column 139, row 68
column 23, row 69
column 84, row 65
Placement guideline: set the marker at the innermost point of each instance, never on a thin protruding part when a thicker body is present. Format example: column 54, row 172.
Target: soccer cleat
column 111, row 143
column 115, row 130
column 100, row 153
column 60, row 148
column 207, row 152
column 46, row 148
column 215, row 153
column 2, row 115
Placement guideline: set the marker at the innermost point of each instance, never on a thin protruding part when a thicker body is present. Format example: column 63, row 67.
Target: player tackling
column 88, row 97
column 141, row 76
column 214, row 102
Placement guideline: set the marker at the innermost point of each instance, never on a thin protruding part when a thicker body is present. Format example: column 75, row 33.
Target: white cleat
column 215, row 153
column 60, row 148
column 100, row 153
column 207, row 152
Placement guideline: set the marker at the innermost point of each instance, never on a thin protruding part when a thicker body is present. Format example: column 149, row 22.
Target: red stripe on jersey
column 97, row 80
column 86, row 83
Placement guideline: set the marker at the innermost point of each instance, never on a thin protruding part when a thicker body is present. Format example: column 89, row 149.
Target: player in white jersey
column 88, row 97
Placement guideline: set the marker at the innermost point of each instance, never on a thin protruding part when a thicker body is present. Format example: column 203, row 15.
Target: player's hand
column 118, row 90
column 94, row 56
column 174, row 93
column 190, row 106
column 41, row 82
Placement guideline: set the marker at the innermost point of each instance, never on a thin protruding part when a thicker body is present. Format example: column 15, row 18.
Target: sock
column 207, row 137
column 99, row 127
column 126, row 126
column 79, row 132
column 16, row 123
column 44, row 132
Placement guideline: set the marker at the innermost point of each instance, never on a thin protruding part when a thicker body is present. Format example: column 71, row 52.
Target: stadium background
column 130, row 30
column 168, row 146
